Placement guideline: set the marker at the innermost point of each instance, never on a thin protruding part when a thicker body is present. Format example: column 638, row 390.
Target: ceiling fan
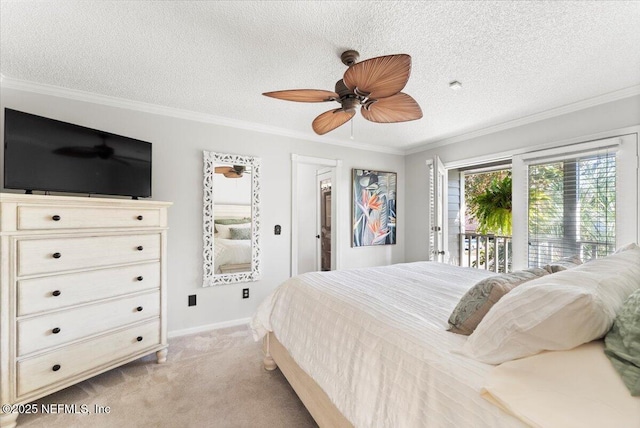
column 235, row 171
column 374, row 85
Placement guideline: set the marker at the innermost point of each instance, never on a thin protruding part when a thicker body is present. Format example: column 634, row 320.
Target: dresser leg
column 161, row 355
column 8, row 420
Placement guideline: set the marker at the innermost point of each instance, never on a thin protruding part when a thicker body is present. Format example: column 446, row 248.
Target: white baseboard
column 208, row 327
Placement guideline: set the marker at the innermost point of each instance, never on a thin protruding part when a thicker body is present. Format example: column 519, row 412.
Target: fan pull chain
column 351, row 128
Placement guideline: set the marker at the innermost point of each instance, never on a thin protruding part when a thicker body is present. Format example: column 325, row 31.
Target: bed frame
column 319, row 405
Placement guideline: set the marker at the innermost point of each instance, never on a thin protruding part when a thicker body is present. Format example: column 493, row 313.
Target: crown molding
column 547, row 114
column 106, row 100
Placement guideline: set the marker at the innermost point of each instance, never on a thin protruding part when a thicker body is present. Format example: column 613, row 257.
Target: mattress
column 375, row 341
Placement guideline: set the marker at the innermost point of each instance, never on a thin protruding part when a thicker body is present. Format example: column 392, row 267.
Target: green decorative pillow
column 622, row 343
column 232, row 220
column 477, row 301
column 240, row 232
column 563, row 264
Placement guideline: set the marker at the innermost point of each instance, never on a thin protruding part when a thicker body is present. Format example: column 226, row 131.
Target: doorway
column 324, row 204
column 314, row 225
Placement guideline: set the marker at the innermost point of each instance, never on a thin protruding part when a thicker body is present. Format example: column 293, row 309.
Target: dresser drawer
column 36, row 256
column 67, row 217
column 62, row 364
column 59, row 291
column 57, row 328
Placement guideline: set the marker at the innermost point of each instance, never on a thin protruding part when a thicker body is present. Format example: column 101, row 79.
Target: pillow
column 232, row 220
column 477, row 301
column 630, row 246
column 622, row 343
column 240, row 232
column 556, row 312
column 563, row 264
column 224, row 231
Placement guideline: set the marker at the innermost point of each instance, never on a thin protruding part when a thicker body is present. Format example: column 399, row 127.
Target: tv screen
column 50, row 155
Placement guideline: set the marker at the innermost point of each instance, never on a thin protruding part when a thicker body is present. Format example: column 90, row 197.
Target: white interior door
column 437, row 205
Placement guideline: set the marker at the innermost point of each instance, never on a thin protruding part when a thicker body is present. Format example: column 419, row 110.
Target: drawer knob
column 56, row 293
column 55, row 217
column 139, row 217
column 139, row 278
column 56, row 330
column 139, row 309
column 140, row 248
column 56, row 367
column 57, row 255
column 139, row 338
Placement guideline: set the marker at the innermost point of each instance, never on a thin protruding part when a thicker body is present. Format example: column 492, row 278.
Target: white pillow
column 558, row 311
column 224, row 231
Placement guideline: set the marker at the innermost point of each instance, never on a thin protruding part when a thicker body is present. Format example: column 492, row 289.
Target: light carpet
column 211, row 379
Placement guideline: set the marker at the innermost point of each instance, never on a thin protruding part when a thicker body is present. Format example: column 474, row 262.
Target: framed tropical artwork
column 374, row 208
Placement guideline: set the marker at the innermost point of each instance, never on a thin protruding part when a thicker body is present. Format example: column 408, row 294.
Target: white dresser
column 82, row 290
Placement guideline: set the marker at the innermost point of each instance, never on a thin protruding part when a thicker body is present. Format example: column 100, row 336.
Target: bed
column 369, row 347
column 232, row 238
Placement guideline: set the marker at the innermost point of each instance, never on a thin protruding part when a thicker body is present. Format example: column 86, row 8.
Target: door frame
column 336, row 208
column 437, row 220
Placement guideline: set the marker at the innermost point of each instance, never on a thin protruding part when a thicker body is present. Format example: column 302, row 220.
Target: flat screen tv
column 49, row 155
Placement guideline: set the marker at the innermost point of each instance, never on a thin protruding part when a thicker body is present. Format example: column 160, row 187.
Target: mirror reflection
column 231, row 218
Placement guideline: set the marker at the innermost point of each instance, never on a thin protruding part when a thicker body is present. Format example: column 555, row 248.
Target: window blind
column 432, row 212
column 572, row 207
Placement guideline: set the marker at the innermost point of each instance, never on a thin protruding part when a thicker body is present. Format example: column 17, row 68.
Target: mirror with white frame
column 231, row 218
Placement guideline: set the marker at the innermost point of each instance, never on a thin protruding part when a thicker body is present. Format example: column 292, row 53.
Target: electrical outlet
column 192, row 300
column 245, row 293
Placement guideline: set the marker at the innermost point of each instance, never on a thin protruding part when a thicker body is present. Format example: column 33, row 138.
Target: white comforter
column 375, row 341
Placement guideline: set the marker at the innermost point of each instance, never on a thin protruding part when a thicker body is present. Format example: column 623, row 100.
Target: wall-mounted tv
column 49, row 155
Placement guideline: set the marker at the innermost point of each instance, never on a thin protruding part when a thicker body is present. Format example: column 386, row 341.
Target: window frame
column 627, row 184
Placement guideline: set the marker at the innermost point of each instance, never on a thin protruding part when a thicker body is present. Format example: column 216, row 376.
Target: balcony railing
column 493, row 252
column 547, row 250
column 485, row 251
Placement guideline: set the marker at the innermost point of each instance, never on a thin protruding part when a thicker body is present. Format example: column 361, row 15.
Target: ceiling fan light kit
column 374, row 85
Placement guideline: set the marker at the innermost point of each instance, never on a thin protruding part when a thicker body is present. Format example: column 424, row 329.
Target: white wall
column 177, row 177
column 232, row 191
column 601, row 118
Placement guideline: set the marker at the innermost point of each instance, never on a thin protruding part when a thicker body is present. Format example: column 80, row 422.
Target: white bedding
column 375, row 341
column 230, row 252
column 564, row 389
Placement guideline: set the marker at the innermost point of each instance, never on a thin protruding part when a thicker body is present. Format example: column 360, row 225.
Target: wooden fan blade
column 330, row 120
column 379, row 77
column 232, row 174
column 396, row 108
column 303, row 95
column 223, row 169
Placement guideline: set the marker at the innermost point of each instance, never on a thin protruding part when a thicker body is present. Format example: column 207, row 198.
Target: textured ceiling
column 514, row 59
